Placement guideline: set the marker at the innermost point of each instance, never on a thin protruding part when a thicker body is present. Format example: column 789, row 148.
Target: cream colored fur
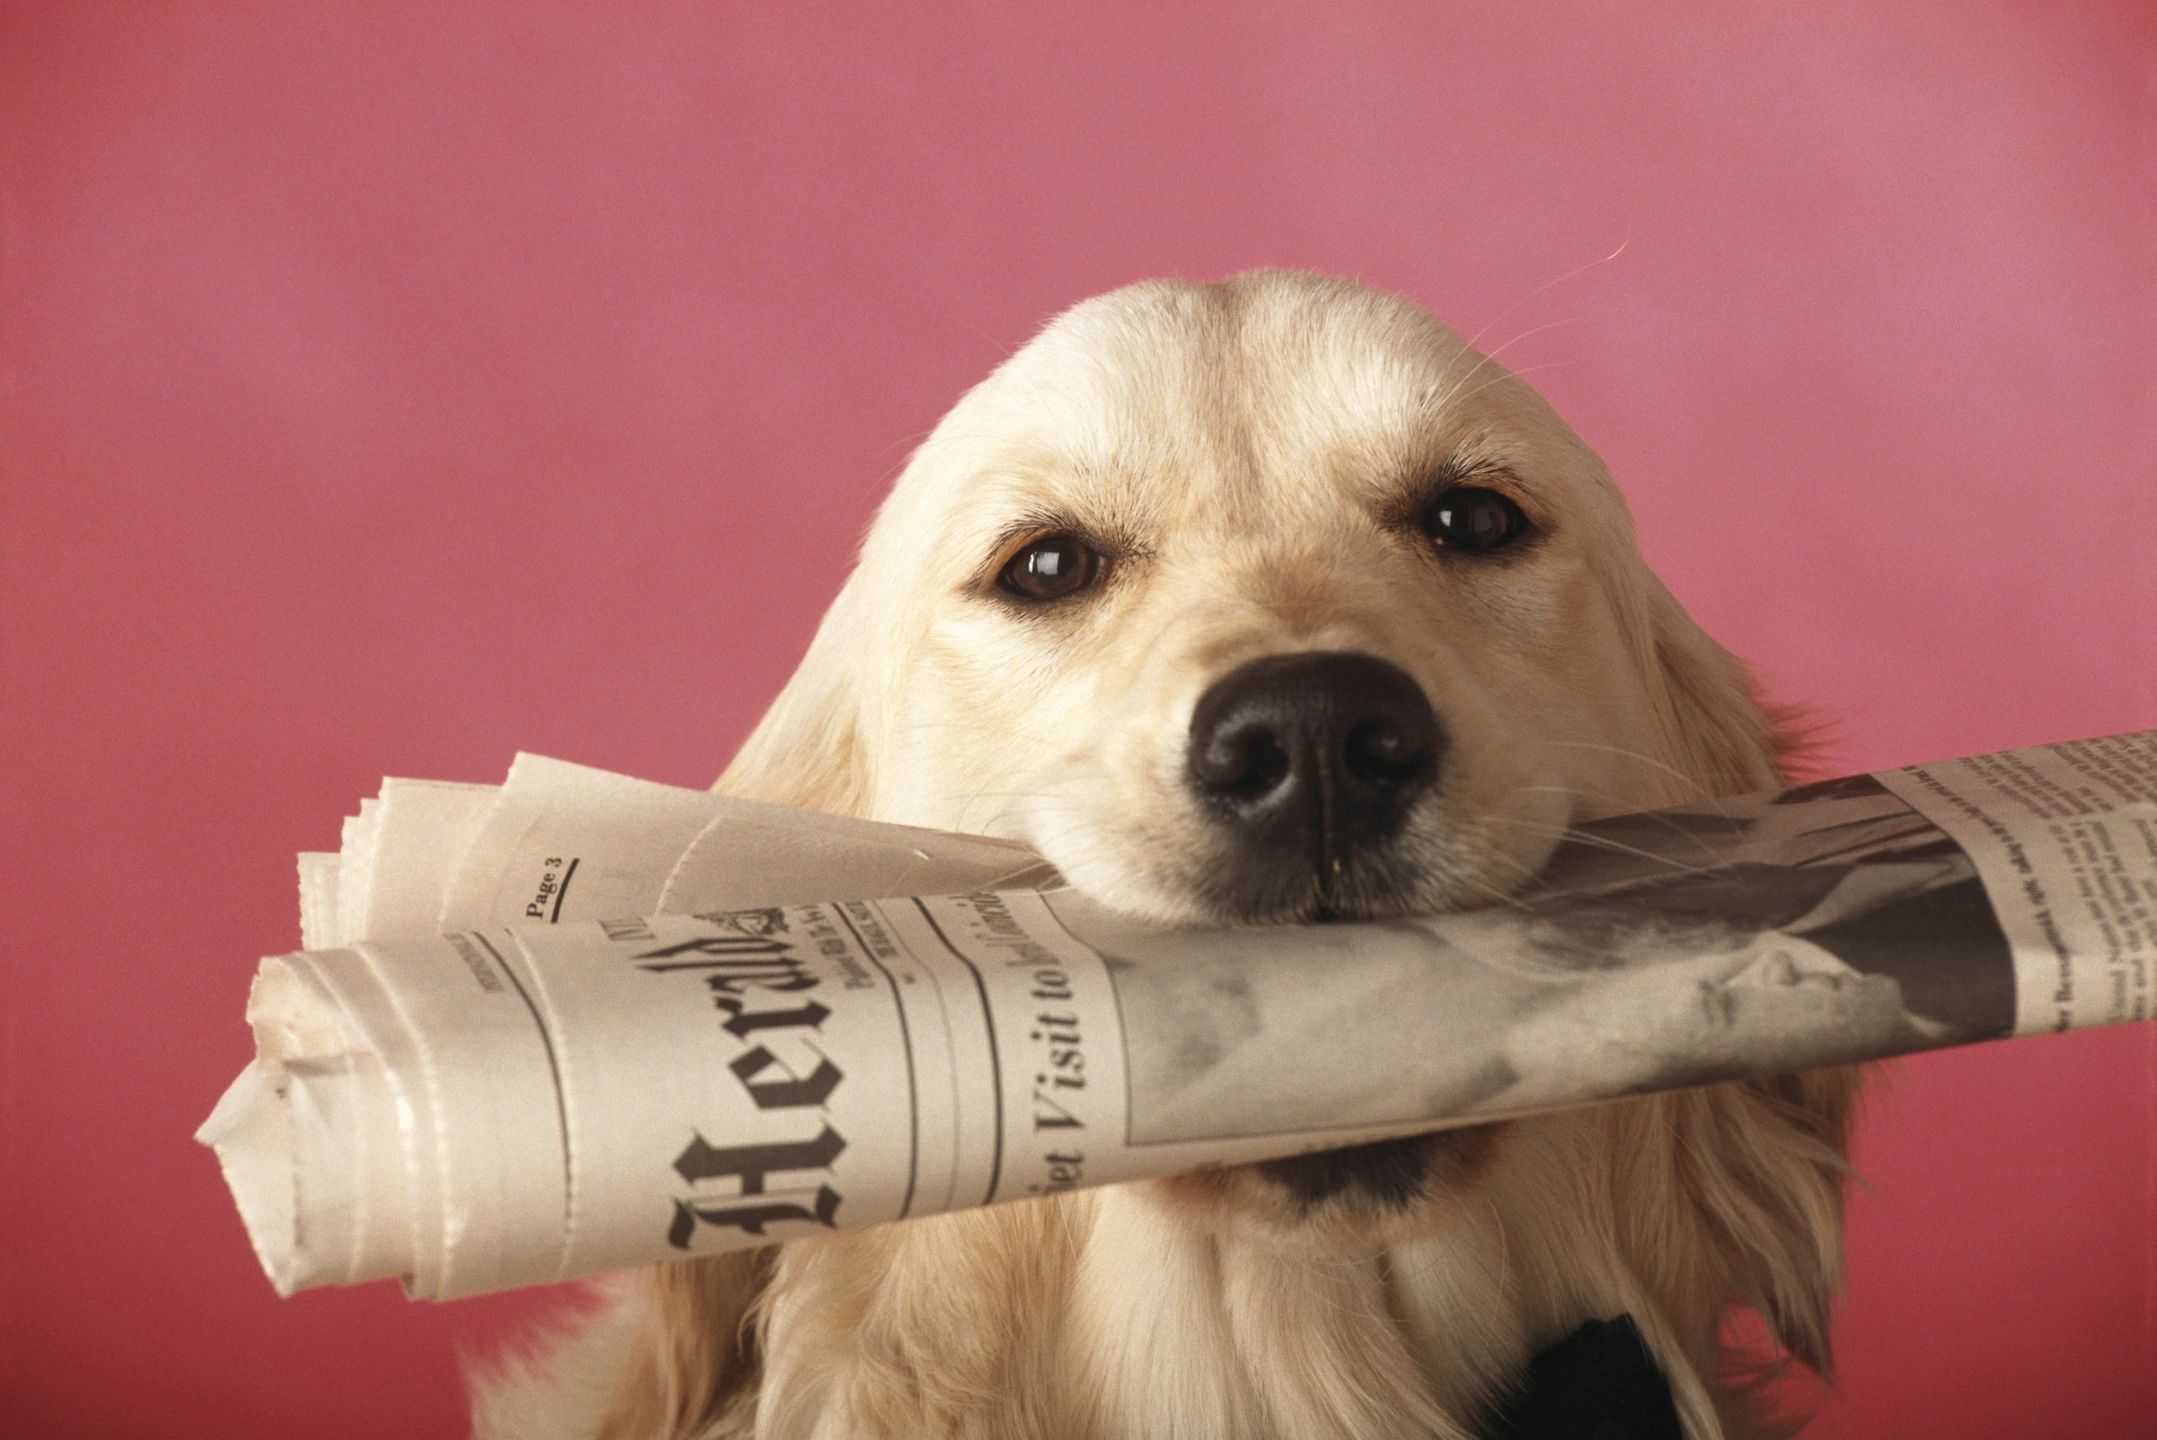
column 1249, row 451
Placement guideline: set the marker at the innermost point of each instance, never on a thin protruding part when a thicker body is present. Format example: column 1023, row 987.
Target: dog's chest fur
column 1110, row 1314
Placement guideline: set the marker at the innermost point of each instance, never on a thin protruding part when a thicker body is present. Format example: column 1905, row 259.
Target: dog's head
column 1258, row 601
column 1268, row 600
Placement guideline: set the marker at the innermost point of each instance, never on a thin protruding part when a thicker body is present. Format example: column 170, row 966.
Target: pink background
column 386, row 393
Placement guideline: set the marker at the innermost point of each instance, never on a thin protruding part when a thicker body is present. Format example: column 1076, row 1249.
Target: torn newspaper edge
column 557, row 1090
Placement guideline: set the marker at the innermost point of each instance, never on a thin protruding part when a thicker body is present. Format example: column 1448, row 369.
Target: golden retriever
column 1261, row 601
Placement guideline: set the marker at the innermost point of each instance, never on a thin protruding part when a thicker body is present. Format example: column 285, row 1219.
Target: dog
column 1261, row 601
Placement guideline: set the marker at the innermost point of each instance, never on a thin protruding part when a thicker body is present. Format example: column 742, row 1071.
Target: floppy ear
column 1762, row 1160
column 1712, row 716
column 809, row 749
column 1798, row 1267
column 674, row 1353
column 694, row 1354
column 1764, row 1163
column 1748, row 1177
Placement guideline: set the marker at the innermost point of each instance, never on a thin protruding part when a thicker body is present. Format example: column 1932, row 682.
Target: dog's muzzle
column 1316, row 754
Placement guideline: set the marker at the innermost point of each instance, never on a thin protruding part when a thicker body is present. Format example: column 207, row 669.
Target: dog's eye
column 1471, row 518
column 1051, row 568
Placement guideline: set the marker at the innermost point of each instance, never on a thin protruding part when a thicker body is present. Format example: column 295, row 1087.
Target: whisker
column 1573, row 836
column 1667, row 822
column 1619, row 750
column 1700, row 785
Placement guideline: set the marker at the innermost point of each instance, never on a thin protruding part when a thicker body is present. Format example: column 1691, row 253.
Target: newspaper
column 660, row 1025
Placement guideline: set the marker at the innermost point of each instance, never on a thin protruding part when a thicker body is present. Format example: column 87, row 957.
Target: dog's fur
column 1251, row 457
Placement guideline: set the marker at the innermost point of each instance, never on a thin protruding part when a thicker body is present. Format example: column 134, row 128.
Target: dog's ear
column 675, row 1352
column 1748, row 1180
column 809, row 749
column 1763, row 1160
column 1766, row 1166
column 694, row 1353
column 1714, row 723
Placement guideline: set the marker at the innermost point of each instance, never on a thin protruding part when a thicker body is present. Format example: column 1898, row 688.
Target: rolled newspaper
column 654, row 1033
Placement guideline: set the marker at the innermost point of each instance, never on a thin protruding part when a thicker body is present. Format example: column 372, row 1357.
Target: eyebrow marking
column 1480, row 458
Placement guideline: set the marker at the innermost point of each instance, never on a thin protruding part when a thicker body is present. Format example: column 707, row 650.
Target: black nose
column 1326, row 747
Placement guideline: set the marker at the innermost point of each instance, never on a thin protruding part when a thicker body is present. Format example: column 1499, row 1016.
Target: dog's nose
column 1324, row 746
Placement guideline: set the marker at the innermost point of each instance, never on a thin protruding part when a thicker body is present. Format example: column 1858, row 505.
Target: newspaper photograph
column 661, row 1024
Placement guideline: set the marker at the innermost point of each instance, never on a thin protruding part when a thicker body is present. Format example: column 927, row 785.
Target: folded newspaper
column 581, row 1022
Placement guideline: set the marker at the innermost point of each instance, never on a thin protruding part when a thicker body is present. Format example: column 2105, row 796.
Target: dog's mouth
column 1390, row 1174
column 1383, row 1177
column 1377, row 882
column 1343, row 896
column 1327, row 790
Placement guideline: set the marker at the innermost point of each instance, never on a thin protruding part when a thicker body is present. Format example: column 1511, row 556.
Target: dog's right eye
column 1051, row 568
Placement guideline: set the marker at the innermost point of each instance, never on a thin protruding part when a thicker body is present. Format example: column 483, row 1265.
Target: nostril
column 1387, row 750
column 1269, row 763
column 1247, row 761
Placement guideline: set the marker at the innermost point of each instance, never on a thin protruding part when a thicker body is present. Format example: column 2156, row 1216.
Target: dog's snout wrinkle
column 1318, row 748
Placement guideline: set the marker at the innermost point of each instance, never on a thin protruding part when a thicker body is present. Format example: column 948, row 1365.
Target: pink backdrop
column 388, row 392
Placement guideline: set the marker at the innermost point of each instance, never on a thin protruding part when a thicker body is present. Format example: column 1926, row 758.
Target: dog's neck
column 1286, row 1342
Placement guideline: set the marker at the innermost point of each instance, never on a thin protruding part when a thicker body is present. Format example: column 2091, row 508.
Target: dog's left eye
column 1471, row 518
column 1051, row 568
